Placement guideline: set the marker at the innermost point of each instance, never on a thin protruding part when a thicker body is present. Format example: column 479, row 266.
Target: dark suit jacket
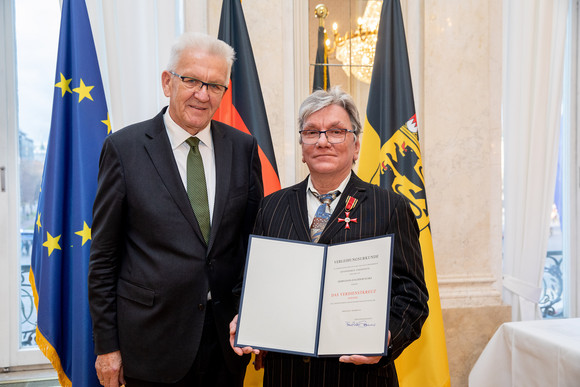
column 150, row 269
column 284, row 214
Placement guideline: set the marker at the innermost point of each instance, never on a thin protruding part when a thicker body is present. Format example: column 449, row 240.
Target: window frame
column 574, row 119
column 11, row 355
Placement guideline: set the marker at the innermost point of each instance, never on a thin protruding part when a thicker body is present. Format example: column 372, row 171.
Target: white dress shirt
column 312, row 202
column 177, row 137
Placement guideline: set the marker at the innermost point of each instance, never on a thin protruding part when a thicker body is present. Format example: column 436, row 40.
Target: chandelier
column 356, row 49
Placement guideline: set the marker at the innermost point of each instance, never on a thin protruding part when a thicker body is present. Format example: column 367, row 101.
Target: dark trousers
column 209, row 368
column 285, row 370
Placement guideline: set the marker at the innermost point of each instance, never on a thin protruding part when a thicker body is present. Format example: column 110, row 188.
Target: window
column 559, row 293
column 30, row 43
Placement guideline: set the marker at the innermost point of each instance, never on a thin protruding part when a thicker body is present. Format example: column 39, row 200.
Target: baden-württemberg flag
column 390, row 156
column 62, row 235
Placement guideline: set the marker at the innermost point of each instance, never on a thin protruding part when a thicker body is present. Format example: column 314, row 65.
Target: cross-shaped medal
column 347, row 220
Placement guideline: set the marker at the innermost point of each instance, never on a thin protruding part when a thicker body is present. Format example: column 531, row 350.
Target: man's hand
column 358, row 359
column 238, row 350
column 110, row 369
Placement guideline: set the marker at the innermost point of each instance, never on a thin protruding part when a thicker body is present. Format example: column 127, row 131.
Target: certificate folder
column 316, row 300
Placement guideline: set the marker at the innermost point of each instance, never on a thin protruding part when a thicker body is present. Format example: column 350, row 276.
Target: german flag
column 243, row 105
column 391, row 158
column 321, row 77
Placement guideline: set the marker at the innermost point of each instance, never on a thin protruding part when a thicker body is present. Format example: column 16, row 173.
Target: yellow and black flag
column 390, row 157
column 321, row 75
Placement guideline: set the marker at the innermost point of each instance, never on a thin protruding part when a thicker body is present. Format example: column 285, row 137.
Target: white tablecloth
column 542, row 353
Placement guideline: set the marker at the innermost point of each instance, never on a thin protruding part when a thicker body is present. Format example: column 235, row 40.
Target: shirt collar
column 178, row 135
column 341, row 187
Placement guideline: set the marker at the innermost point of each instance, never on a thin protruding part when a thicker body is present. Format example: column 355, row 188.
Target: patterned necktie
column 322, row 214
column 196, row 187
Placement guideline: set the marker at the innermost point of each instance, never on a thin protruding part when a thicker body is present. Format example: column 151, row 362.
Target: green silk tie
column 196, row 187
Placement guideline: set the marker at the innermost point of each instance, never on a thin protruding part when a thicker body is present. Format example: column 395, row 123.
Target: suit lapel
column 355, row 190
column 299, row 211
column 159, row 149
column 223, row 151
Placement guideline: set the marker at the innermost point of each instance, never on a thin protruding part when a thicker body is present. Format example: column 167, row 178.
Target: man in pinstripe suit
column 329, row 135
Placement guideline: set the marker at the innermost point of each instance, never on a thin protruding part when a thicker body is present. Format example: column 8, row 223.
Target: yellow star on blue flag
column 64, row 84
column 51, row 243
column 84, row 91
column 108, row 123
column 38, row 224
column 85, row 233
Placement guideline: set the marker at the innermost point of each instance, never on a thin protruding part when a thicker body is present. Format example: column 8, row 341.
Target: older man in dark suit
column 329, row 134
column 177, row 197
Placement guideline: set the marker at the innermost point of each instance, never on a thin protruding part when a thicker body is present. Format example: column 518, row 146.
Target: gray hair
column 201, row 42
column 322, row 98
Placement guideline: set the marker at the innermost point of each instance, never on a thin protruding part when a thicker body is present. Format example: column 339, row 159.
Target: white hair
column 201, row 42
column 322, row 98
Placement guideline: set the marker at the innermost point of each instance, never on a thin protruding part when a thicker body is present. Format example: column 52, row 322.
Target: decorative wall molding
column 464, row 292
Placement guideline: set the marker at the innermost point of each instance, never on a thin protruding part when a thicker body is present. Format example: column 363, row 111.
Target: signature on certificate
column 360, row 324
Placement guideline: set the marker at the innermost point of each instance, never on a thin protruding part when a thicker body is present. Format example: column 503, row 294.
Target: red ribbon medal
column 350, row 203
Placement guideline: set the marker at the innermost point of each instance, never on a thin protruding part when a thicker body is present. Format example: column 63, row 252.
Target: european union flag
column 62, row 235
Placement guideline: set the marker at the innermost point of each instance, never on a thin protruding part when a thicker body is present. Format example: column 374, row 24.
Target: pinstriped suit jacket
column 283, row 214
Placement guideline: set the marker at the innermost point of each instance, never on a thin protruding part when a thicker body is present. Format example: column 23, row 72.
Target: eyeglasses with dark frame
column 196, row 84
column 333, row 136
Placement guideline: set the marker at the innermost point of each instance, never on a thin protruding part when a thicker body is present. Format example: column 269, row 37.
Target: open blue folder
column 316, row 300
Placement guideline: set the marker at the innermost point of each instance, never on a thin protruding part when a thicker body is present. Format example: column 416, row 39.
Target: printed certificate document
column 316, row 300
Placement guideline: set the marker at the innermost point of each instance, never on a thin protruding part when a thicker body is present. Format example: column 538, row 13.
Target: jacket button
column 201, row 306
column 306, row 359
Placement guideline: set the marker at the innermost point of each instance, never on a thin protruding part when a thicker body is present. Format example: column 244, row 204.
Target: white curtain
column 533, row 65
column 133, row 38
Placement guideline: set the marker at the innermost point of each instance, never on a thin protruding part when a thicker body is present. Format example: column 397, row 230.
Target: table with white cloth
column 531, row 353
